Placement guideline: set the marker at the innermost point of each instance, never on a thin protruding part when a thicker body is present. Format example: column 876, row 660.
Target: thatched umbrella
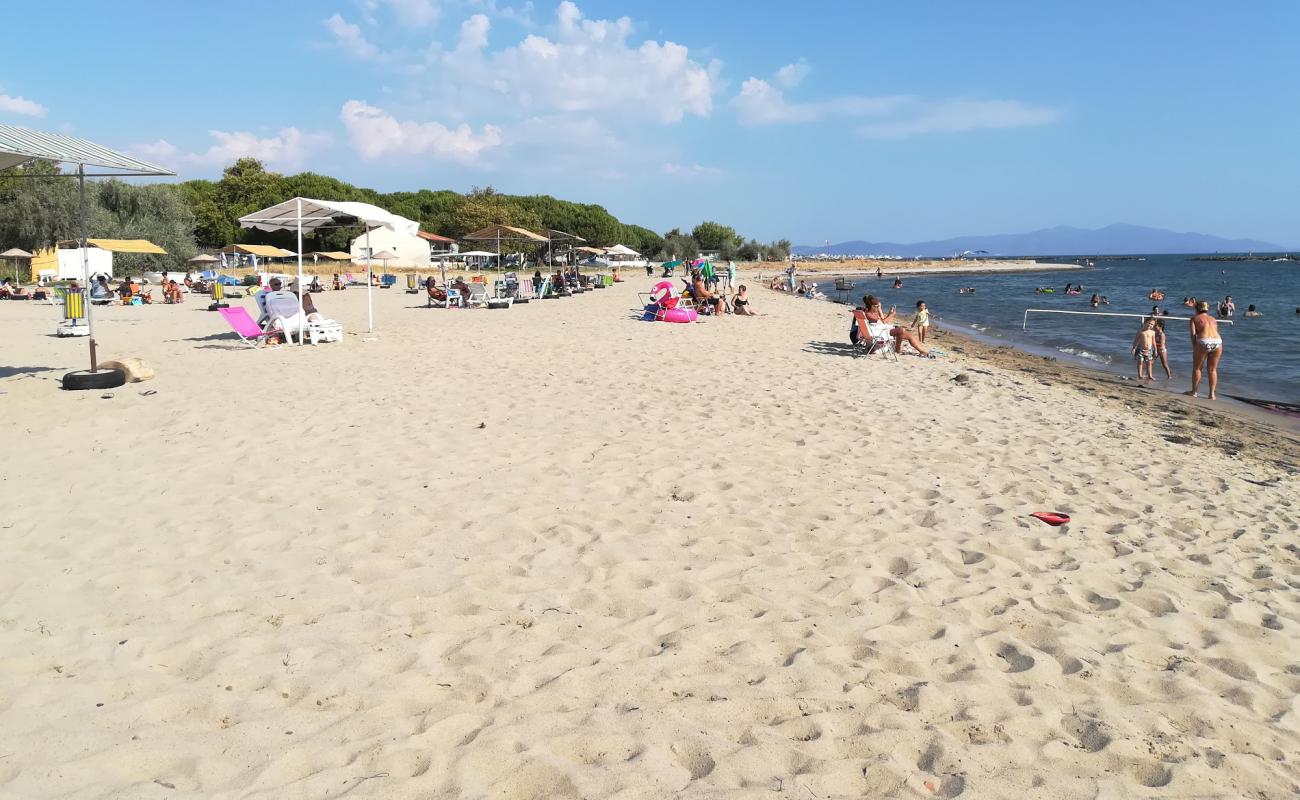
column 17, row 255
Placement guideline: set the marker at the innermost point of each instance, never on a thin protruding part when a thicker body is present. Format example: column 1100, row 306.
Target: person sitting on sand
column 1207, row 348
column 17, row 292
column 1251, row 311
column 172, row 293
column 1144, row 349
column 878, row 324
column 100, row 290
column 741, row 304
column 801, row 289
column 338, row 284
column 701, row 295
column 777, row 284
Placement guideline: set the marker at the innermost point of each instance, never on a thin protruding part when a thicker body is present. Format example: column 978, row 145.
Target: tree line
column 204, row 214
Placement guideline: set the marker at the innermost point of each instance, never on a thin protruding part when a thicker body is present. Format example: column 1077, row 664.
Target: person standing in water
column 1162, row 349
column 1207, row 348
column 1144, row 349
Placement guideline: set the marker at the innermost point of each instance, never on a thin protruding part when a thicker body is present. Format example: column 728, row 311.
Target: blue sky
column 831, row 120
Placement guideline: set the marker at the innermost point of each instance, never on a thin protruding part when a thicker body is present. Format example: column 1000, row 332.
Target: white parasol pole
column 85, row 263
column 370, row 306
column 302, row 317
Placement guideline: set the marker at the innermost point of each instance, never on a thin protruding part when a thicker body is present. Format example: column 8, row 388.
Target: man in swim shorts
column 1207, row 348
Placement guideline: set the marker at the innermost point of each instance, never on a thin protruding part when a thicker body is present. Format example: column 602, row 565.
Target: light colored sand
column 557, row 552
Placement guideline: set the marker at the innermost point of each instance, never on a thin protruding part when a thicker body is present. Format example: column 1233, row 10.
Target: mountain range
column 1118, row 239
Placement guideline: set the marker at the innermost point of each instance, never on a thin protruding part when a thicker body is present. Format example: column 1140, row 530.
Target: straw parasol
column 17, row 255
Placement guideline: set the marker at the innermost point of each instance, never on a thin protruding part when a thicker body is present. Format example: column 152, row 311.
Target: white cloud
column 956, row 116
column 410, row 12
column 349, row 37
column 375, row 133
column 689, row 170
column 287, row 150
column 761, row 103
column 474, row 33
column 21, row 105
column 583, row 65
column 791, row 75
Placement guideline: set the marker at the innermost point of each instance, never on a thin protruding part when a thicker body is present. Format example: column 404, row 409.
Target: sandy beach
column 557, row 552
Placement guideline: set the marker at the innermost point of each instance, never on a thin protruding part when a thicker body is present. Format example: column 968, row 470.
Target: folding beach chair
column 873, row 345
column 218, row 292
column 74, row 314
column 525, row 291
column 387, row 281
column 478, row 294
column 244, row 326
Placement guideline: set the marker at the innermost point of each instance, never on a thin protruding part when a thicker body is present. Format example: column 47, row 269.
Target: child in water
column 1144, row 349
column 921, row 322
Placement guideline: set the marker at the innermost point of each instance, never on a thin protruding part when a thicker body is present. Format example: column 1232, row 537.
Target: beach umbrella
column 16, row 255
column 203, row 258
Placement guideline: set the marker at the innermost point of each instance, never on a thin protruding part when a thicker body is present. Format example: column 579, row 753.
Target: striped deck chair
column 218, row 291
column 412, row 283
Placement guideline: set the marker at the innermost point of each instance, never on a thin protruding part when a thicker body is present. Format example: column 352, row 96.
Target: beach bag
column 855, row 335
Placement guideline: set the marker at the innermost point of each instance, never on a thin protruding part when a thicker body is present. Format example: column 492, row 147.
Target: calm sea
column 1261, row 354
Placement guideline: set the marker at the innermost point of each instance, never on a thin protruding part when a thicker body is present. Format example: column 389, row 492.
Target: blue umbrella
column 208, row 274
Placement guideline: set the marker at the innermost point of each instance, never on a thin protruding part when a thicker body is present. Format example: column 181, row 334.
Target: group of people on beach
column 1151, row 343
column 872, row 327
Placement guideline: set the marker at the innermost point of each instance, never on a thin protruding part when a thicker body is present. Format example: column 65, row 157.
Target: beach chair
column 877, row 345
column 454, row 300
column 412, row 283
column 245, row 327
column 478, row 294
column 352, row 280
column 387, row 281
column 525, row 291
column 286, row 314
column 74, row 314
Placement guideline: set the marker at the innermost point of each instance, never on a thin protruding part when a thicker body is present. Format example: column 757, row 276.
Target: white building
column 412, row 250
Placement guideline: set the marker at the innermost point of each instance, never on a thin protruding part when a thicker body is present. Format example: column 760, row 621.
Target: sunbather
column 701, row 295
column 879, row 323
column 741, row 303
column 172, row 293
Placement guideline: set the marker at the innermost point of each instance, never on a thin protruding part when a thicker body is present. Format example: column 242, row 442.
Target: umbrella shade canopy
column 259, row 250
column 127, row 246
column 325, row 213
column 334, row 255
column 595, row 251
column 474, row 254
column 503, row 233
column 20, row 145
column 14, row 252
column 621, row 250
column 383, row 255
column 203, row 258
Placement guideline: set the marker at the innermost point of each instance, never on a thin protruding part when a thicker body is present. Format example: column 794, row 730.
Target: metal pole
column 302, row 317
column 85, row 263
column 370, row 306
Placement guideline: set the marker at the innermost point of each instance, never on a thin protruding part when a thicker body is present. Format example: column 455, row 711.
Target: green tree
column 711, row 235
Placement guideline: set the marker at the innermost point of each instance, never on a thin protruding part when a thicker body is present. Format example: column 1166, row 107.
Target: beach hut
column 303, row 213
column 18, row 146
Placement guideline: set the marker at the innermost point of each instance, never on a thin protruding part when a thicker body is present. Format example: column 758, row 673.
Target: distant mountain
column 1116, row 239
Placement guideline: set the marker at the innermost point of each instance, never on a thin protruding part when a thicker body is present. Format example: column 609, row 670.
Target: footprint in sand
column 1016, row 660
column 1150, row 773
column 899, row 567
column 1090, row 734
column 1100, row 603
column 694, row 759
column 970, row 557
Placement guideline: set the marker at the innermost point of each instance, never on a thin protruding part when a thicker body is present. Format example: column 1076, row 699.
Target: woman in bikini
column 1207, row 348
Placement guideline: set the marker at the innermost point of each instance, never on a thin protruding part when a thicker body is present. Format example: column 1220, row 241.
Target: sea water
column 1261, row 356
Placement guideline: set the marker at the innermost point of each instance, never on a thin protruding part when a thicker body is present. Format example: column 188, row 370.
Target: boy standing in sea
column 1144, row 349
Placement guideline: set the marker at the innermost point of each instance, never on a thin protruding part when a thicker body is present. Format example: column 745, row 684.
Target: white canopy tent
column 621, row 250
column 304, row 213
column 19, row 146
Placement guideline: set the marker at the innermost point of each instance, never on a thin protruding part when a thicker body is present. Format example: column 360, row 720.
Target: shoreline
column 935, row 268
column 1101, row 377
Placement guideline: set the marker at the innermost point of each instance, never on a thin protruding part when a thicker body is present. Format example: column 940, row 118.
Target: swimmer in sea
column 1207, row 348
